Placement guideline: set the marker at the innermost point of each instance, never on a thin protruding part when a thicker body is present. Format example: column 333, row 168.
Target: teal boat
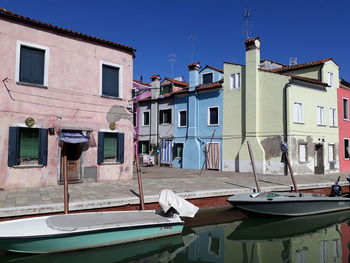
column 78, row 231
column 66, row 232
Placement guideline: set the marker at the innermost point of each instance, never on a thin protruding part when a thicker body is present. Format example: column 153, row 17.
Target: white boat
column 86, row 230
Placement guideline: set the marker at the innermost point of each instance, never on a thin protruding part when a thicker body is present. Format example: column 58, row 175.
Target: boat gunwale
column 93, row 231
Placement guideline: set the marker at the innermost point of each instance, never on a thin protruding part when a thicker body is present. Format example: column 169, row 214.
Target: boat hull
column 291, row 206
column 86, row 240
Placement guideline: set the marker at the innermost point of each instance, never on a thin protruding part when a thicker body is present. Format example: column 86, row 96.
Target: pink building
column 64, row 94
column 344, row 125
column 142, row 90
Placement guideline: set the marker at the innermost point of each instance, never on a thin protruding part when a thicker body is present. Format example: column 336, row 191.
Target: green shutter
column 110, row 145
column 100, row 147
column 29, row 143
column 110, row 81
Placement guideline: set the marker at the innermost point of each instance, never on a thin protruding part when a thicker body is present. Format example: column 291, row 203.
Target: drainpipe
column 285, row 118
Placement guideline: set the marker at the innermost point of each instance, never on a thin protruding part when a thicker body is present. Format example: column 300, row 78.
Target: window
column 143, row 147
column 346, row 109
column 182, row 118
column 110, row 81
column 332, row 117
column 320, row 115
column 331, row 152
column 235, row 81
column 165, row 116
column 27, row 146
column 214, row 116
column 178, row 150
column 165, row 89
column 330, row 79
column 145, row 118
column 207, row 78
column 134, row 115
column 346, row 149
column 110, row 147
column 32, row 64
column 302, row 153
column 298, row 112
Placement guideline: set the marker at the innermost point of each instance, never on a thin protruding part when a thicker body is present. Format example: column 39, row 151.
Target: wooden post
column 253, row 166
column 139, row 180
column 291, row 173
column 65, row 178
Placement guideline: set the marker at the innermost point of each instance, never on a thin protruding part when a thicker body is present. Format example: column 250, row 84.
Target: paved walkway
column 187, row 183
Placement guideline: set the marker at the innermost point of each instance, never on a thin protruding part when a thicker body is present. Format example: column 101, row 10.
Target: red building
column 344, row 125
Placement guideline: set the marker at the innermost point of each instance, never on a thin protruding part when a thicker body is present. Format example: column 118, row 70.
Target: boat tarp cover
column 168, row 199
column 83, row 221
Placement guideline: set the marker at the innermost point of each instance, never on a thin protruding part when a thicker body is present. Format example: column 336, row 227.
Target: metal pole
column 291, row 173
column 253, row 166
column 65, row 178
column 139, row 180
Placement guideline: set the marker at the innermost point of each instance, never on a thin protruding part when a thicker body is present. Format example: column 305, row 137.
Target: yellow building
column 266, row 103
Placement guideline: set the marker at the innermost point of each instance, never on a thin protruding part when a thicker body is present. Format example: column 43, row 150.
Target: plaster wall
column 71, row 98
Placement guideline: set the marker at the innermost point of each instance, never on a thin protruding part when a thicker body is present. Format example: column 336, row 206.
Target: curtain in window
column 166, row 152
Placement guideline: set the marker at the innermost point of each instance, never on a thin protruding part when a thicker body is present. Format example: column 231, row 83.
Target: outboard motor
column 336, row 188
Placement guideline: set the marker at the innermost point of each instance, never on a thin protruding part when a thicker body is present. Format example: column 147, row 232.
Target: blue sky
column 306, row 29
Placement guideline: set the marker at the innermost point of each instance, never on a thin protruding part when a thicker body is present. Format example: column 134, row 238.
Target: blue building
column 198, row 120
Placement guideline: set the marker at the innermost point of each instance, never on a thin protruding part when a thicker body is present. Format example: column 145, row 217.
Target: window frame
column 333, row 120
column 330, row 79
column 143, row 118
column 179, row 119
column 161, row 121
column 19, row 45
column 296, row 120
column 345, row 110
column 120, row 151
column 233, row 78
column 175, row 150
column 212, row 77
column 320, row 117
column 345, row 151
column 140, row 147
column 299, row 151
column 120, row 79
column 13, row 159
column 333, row 152
column 216, row 124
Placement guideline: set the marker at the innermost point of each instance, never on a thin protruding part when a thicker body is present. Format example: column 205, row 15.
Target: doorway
column 319, row 162
column 74, row 162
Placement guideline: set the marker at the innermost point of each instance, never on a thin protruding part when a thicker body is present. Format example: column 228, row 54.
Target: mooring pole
column 291, row 173
column 65, row 179
column 139, row 180
column 253, row 166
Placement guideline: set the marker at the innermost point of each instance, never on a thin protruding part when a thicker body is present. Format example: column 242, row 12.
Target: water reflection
column 322, row 238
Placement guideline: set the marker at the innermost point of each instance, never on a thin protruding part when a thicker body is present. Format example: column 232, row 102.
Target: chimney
column 193, row 75
column 252, row 84
column 155, row 85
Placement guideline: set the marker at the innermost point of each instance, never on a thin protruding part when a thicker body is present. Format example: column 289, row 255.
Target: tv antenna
column 193, row 38
column 247, row 23
column 172, row 60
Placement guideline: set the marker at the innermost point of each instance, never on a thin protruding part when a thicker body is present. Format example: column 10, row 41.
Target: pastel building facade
column 198, row 129
column 65, row 94
column 344, row 125
column 266, row 103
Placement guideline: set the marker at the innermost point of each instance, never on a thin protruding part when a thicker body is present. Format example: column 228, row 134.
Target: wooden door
column 74, row 153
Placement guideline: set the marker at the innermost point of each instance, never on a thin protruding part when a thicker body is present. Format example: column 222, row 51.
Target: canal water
column 227, row 236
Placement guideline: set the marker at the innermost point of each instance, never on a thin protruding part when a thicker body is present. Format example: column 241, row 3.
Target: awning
column 73, row 137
